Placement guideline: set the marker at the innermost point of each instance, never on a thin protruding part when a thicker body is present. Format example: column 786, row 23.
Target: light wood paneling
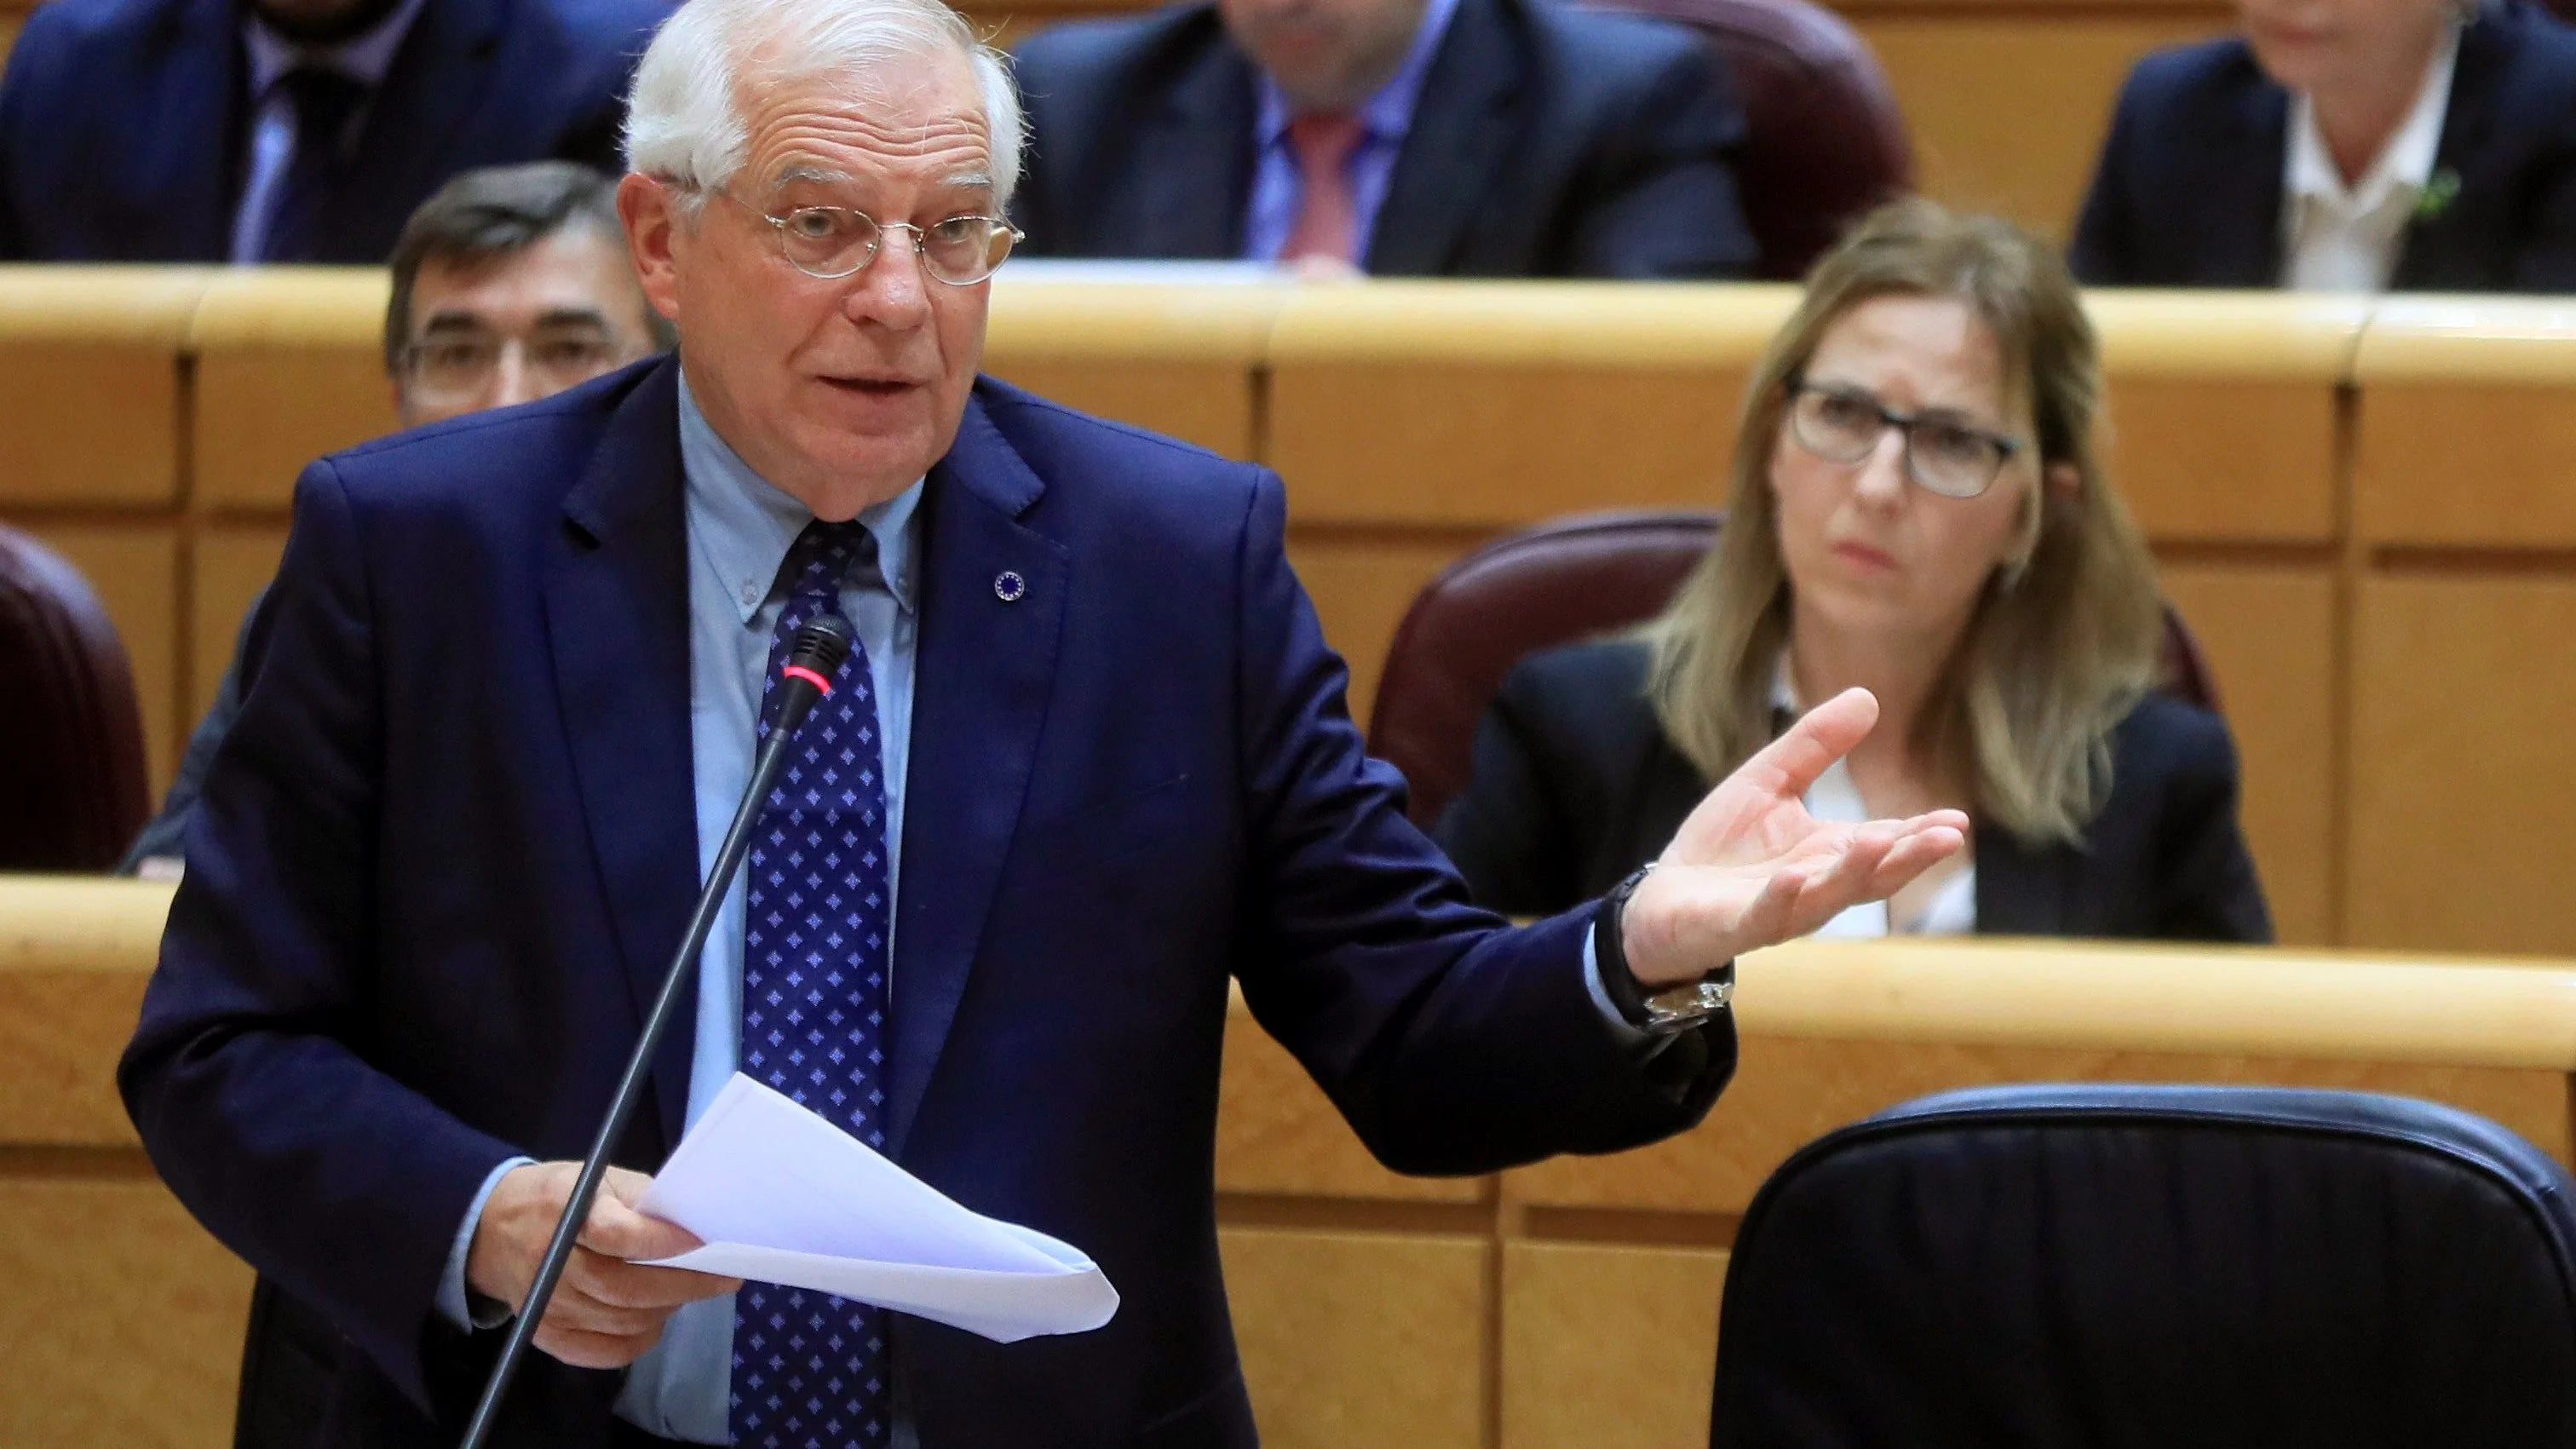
column 89, row 383
column 1361, row 1338
column 2462, row 692
column 135, row 570
column 1178, row 362
column 1440, row 405
column 2268, row 632
column 1608, row 1346
column 290, row 365
column 123, row 1320
column 1789, row 1091
column 1278, row 1134
column 2468, row 424
column 2008, row 111
column 1362, row 582
column 234, row 563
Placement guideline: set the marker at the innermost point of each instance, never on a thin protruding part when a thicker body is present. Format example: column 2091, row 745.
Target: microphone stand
column 820, row 648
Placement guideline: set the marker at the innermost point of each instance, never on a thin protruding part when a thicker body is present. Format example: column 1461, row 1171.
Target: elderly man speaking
column 1091, row 759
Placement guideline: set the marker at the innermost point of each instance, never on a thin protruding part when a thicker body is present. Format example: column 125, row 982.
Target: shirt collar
column 750, row 523
column 2405, row 163
column 1388, row 114
column 365, row 57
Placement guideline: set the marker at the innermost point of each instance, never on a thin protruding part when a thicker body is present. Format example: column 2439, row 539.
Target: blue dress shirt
column 740, row 528
column 1277, row 188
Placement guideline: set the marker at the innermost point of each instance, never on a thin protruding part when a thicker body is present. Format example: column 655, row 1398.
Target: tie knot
column 1325, row 140
column 324, row 100
column 821, row 556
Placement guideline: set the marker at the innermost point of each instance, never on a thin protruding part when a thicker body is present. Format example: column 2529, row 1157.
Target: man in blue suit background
column 289, row 130
column 1089, row 760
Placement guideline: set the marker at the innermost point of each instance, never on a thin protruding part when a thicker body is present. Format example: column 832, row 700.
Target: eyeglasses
column 831, row 242
column 1943, row 455
column 459, row 368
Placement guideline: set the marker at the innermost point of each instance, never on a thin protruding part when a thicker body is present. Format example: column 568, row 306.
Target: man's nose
column 894, row 288
column 513, row 381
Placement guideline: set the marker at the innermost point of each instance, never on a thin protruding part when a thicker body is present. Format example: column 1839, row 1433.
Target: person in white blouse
column 1918, row 508
column 2345, row 146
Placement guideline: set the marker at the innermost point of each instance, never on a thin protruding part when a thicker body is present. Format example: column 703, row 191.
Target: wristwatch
column 1665, row 1012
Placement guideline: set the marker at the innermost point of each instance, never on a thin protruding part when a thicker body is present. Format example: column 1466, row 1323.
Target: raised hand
column 1752, row 868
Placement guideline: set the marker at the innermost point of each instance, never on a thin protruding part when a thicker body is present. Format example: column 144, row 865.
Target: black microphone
column 806, row 678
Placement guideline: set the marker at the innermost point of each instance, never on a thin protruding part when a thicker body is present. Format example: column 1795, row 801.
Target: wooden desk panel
column 2269, row 634
column 2462, row 692
column 1607, row 1346
column 1788, row 1091
column 89, row 383
column 290, row 365
column 235, row 563
column 123, row 1320
column 2467, row 428
column 1435, row 405
column 1361, row 1338
column 1181, row 361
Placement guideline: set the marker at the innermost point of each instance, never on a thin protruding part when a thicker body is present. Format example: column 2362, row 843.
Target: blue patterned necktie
column 809, row 1369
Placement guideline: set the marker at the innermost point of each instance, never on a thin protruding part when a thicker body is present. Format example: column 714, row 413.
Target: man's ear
column 645, row 208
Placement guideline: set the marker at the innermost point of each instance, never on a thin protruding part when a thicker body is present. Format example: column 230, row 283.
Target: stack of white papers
column 779, row 1195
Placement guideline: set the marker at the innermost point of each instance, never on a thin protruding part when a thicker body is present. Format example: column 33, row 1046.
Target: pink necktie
column 1327, row 211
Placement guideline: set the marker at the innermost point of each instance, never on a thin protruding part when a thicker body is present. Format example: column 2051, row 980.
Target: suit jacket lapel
column 2023, row 891
column 192, row 141
column 2436, row 254
column 1194, row 161
column 617, row 615
column 439, row 78
column 2240, row 200
column 983, row 675
column 1463, row 130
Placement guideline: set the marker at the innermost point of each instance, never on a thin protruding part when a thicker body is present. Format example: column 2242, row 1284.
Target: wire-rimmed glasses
column 831, row 242
column 1942, row 454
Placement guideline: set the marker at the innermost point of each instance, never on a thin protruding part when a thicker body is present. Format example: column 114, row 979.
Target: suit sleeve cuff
column 1629, row 1035
column 454, row 1303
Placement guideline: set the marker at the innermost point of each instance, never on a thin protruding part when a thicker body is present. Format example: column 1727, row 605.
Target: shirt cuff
column 453, row 1303
column 1626, row 1032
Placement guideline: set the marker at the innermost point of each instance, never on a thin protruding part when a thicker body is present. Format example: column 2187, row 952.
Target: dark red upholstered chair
column 71, row 741
column 1562, row 582
column 1826, row 141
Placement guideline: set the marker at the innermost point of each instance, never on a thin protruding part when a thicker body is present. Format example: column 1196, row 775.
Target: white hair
column 683, row 116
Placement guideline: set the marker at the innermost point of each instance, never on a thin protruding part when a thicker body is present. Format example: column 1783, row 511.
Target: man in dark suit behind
column 1478, row 138
column 289, row 130
column 1089, row 758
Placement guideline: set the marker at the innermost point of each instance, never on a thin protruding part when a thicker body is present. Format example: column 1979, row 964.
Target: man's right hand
column 606, row 1310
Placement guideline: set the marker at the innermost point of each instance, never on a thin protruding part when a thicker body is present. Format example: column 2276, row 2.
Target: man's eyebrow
column 575, row 317
column 816, row 175
column 451, row 320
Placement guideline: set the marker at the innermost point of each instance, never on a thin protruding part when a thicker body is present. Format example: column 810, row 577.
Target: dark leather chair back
column 2119, row 1267
column 71, row 741
column 1825, row 139
column 1559, row 583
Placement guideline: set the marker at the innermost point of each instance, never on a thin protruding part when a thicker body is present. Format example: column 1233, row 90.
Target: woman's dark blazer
column 1575, row 786
column 2188, row 190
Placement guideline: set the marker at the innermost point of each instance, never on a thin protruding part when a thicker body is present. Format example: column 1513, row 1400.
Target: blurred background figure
column 289, row 130
column 1917, row 507
column 1490, row 138
column 2345, row 145
column 509, row 285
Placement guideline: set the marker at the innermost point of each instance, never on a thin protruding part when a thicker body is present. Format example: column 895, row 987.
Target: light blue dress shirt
column 1277, row 187
column 367, row 58
column 740, row 528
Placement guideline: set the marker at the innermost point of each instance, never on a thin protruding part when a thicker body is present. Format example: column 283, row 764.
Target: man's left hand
column 1751, row 868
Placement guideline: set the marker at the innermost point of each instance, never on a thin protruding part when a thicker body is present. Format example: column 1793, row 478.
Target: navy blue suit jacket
column 2188, row 190
column 1548, row 142
column 124, row 124
column 448, row 847
column 1576, row 785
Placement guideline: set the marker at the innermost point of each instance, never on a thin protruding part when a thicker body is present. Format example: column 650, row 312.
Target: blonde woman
column 1917, row 509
